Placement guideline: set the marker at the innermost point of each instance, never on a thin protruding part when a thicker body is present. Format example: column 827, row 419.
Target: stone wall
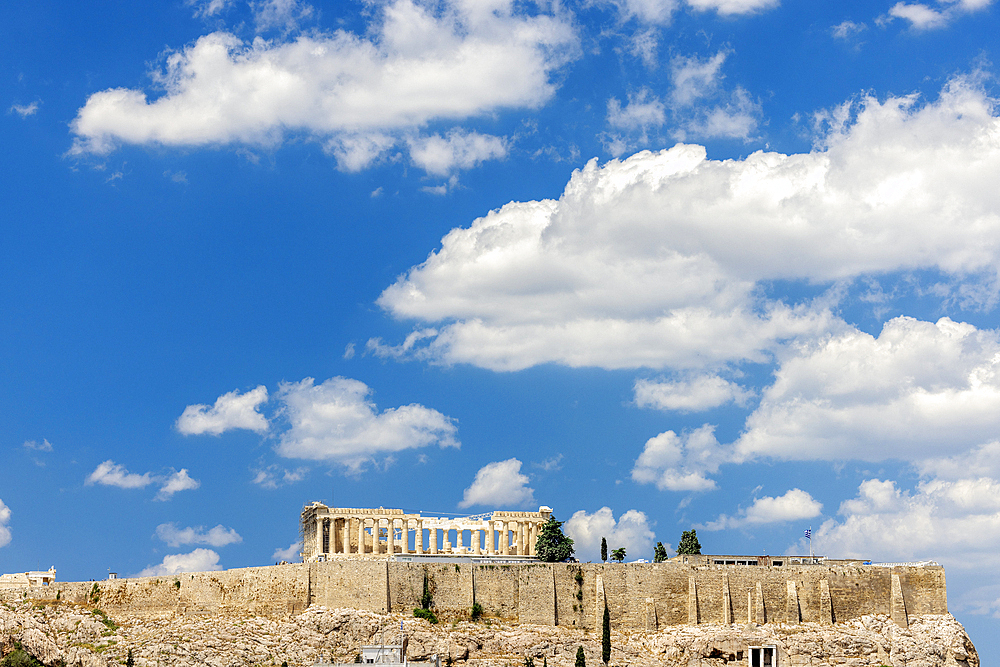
column 638, row 595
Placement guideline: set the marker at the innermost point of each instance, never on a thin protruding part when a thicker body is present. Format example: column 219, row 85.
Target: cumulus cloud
column 357, row 95
column 110, row 473
column 219, row 536
column 920, row 390
column 956, row 522
column 336, row 421
column 631, row 531
column 231, row 411
column 499, row 484
column 290, row 554
column 693, row 394
column 456, row 150
column 927, row 17
column 199, row 560
column 681, row 462
column 43, row 446
column 656, row 261
column 179, row 481
column 5, row 535
column 795, row 505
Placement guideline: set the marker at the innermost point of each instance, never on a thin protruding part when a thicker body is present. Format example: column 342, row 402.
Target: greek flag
column 809, row 533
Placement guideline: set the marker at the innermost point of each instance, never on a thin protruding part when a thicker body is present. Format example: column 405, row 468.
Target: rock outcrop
column 78, row 636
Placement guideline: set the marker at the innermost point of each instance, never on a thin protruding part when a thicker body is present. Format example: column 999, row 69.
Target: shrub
column 581, row 659
column 425, row 614
column 477, row 611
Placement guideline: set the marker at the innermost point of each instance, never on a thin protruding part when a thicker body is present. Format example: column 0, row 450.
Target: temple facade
column 334, row 532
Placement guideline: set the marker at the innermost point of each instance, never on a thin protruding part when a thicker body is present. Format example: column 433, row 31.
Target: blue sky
column 725, row 264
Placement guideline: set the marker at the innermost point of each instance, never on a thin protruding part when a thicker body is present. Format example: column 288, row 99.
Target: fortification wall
column 638, row 595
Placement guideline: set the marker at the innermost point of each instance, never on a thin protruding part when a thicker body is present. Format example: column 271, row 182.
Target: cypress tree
column 604, row 549
column 606, row 636
column 581, row 660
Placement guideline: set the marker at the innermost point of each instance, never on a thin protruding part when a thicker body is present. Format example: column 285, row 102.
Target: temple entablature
column 336, row 532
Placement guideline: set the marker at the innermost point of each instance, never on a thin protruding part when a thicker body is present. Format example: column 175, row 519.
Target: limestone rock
column 78, row 636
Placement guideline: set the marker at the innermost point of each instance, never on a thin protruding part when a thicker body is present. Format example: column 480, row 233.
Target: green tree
column 130, row 661
column 606, row 636
column 581, row 659
column 529, row 661
column 552, row 546
column 689, row 544
column 659, row 553
column 618, row 554
column 604, row 549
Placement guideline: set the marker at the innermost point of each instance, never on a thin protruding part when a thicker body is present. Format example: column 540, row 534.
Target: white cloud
column 456, row 150
column 733, row 7
column 43, row 446
column 199, row 560
column 335, row 421
column 358, row 95
column 701, row 106
column 655, row 261
column 231, row 411
column 926, row 17
column 24, row 110
column 700, row 392
column 680, row 462
column 795, row 505
column 274, row 476
column 919, row 390
column 219, row 536
column 660, row 12
column 954, row 522
column 290, row 554
column 281, row 15
column 5, row 535
column 631, row 531
column 847, row 29
column 643, row 110
column 499, row 484
column 208, row 8
column 110, row 473
column 179, row 481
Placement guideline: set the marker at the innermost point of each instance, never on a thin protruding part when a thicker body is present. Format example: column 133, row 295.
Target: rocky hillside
column 75, row 635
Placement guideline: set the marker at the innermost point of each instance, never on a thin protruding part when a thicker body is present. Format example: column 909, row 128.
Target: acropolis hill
column 690, row 610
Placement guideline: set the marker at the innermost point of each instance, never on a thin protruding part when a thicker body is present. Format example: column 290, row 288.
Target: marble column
column 419, row 538
column 361, row 536
column 346, row 533
column 458, row 539
column 434, row 539
column 319, row 535
column 390, row 537
column 476, row 542
column 490, row 539
column 505, row 538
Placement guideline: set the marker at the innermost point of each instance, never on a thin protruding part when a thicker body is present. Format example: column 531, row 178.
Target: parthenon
column 334, row 532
